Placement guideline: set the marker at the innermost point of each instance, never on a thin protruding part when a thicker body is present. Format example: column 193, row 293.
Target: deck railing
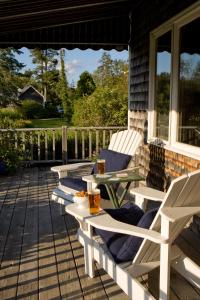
column 62, row 144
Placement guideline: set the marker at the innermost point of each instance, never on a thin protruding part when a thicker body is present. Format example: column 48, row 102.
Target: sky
column 76, row 61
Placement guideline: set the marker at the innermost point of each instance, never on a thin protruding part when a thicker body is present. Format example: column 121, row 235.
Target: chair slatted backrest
column 126, row 141
column 183, row 191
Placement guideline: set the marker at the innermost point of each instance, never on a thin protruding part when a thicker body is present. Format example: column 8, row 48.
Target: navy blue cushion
column 130, row 214
column 115, row 161
column 74, row 183
column 132, row 244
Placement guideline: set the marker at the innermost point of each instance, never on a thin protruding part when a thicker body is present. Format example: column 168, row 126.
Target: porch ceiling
column 74, row 23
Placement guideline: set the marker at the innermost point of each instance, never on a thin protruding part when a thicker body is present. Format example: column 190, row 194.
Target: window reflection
column 162, row 87
column 189, row 84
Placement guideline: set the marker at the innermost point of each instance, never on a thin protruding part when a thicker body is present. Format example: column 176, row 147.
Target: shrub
column 9, row 159
column 32, row 109
column 11, row 113
column 7, row 123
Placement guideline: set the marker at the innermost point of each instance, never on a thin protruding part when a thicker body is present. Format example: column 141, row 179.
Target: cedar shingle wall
column 145, row 17
column 157, row 164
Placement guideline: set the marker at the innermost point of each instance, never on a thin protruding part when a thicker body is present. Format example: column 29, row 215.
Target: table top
column 114, row 177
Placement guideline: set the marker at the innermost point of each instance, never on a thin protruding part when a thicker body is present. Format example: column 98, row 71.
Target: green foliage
column 9, row 68
column 48, row 123
column 12, row 118
column 110, row 71
column 45, row 71
column 9, row 157
column 62, row 90
column 108, row 104
column 163, row 93
column 11, row 113
column 105, row 107
column 85, row 85
column 32, row 109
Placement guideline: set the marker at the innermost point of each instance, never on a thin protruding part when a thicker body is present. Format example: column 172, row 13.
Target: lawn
column 48, row 123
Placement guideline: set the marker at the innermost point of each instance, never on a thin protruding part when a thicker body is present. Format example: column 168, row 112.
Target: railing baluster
column 31, row 142
column 97, row 142
column 16, row 142
column 76, row 145
column 46, row 145
column 90, row 144
column 31, row 139
column 39, row 146
column 83, row 144
column 64, row 144
column 104, row 138
column 111, row 133
column 54, row 145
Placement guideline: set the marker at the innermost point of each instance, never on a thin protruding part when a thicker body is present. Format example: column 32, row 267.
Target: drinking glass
column 101, row 166
column 94, row 201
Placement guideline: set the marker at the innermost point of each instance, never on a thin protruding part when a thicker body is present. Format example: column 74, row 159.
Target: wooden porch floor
column 40, row 257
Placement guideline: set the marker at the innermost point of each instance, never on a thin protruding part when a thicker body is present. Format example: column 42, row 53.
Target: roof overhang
column 70, row 24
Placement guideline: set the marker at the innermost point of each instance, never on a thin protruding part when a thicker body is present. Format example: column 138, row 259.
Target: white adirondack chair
column 126, row 142
column 157, row 249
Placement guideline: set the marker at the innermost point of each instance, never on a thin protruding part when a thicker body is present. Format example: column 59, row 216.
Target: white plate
column 121, row 175
column 103, row 175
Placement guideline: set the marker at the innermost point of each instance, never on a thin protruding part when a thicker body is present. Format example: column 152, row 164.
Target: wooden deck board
column 28, row 272
column 40, row 257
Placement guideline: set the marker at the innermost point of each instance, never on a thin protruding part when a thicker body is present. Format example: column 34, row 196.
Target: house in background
column 30, row 93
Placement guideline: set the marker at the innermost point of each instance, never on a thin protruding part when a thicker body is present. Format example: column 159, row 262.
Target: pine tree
column 62, row 89
column 45, row 71
column 9, row 71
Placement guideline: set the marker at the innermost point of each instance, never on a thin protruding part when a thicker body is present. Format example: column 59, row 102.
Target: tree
column 109, row 71
column 45, row 71
column 105, row 107
column 108, row 104
column 85, row 85
column 9, row 71
column 62, row 89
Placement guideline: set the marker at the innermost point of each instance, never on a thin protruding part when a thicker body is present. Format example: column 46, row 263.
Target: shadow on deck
column 40, row 257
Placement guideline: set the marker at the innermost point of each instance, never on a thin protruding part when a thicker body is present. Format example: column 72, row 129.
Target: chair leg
column 165, row 250
column 88, row 253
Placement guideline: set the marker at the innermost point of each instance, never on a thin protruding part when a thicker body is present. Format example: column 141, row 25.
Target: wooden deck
column 40, row 257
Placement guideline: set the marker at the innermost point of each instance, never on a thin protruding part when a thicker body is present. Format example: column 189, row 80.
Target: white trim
column 173, row 25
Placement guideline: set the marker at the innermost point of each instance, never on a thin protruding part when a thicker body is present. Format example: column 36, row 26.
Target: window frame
column 174, row 25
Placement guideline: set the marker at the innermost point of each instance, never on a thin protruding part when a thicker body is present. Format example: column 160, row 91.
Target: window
column 162, row 85
column 174, row 87
column 189, row 84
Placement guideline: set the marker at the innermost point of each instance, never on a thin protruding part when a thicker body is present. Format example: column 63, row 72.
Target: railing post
column 64, row 144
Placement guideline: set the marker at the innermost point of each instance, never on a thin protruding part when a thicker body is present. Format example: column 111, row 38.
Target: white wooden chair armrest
column 143, row 194
column 106, row 222
column 62, row 170
column 173, row 214
column 148, row 193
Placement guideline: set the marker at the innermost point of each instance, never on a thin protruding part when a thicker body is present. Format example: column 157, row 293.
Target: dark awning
column 65, row 23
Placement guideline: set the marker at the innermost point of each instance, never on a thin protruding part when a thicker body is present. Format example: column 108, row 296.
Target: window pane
column 189, row 84
column 162, row 87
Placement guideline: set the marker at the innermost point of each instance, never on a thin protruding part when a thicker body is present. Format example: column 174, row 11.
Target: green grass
column 48, row 123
